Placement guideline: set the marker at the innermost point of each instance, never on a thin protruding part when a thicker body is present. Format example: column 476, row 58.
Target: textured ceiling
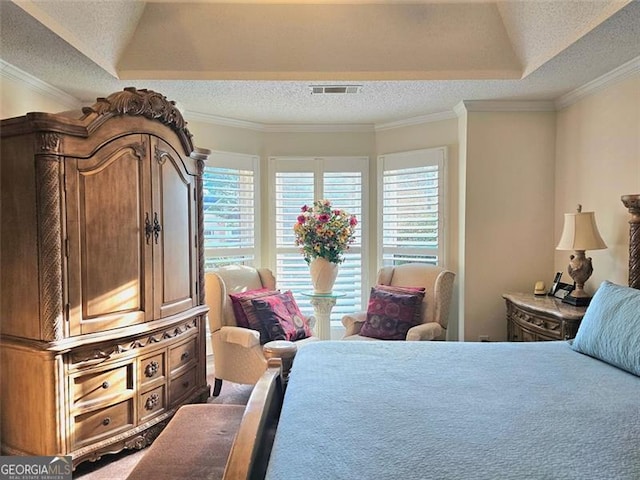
column 253, row 61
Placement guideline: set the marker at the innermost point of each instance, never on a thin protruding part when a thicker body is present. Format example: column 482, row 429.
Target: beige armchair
column 238, row 355
column 438, row 283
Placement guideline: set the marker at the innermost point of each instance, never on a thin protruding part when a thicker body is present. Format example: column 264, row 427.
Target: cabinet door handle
column 185, row 384
column 105, row 385
column 185, row 355
column 157, row 228
column 148, row 229
column 106, row 421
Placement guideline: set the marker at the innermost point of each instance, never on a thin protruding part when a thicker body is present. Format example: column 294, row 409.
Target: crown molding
column 505, row 106
column 459, row 109
column 222, row 121
column 319, row 128
column 14, row 73
column 625, row 70
column 419, row 120
column 279, row 127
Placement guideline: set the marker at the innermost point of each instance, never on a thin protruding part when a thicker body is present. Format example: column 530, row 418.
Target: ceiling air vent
column 334, row 89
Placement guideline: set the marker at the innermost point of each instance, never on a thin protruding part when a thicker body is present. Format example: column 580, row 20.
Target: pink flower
column 323, row 218
column 304, row 208
column 336, row 212
column 353, row 222
column 300, row 218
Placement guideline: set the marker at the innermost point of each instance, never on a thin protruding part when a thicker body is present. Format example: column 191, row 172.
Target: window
column 231, row 223
column 299, row 181
column 411, row 207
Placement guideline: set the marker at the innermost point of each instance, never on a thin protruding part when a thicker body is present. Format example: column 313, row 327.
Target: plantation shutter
column 345, row 190
column 231, row 224
column 411, row 207
column 300, row 181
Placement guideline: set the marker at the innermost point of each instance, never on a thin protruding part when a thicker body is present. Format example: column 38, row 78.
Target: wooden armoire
column 102, row 316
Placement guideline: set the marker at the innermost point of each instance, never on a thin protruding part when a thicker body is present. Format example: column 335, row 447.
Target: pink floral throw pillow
column 242, row 319
column 281, row 317
column 390, row 315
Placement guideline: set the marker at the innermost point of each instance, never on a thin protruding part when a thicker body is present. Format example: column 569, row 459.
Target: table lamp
column 580, row 233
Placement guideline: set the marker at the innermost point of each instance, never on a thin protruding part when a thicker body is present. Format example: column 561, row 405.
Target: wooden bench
column 218, row 441
column 194, row 445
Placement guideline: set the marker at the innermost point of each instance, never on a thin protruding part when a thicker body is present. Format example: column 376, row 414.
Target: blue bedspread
column 456, row 411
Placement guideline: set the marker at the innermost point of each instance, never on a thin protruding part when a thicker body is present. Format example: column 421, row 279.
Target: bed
column 455, row 410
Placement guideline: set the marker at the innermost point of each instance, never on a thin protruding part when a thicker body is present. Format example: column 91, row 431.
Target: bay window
column 298, row 181
column 411, row 207
column 231, row 216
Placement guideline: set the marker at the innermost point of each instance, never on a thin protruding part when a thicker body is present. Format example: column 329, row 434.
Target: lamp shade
column 580, row 232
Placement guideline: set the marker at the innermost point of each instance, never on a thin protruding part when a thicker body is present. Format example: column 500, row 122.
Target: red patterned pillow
column 242, row 319
column 409, row 290
column 390, row 315
column 281, row 317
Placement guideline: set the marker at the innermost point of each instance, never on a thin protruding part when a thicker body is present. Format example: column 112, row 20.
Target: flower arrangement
column 324, row 232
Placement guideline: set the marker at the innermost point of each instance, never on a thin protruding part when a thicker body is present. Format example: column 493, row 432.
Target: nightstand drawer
column 103, row 422
column 99, row 386
column 543, row 326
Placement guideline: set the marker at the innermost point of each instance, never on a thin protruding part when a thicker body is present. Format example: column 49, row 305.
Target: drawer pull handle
column 106, row 421
column 185, row 355
column 185, row 384
column 105, row 385
column 151, row 369
column 152, row 401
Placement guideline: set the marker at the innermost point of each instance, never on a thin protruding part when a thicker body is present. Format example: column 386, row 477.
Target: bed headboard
column 632, row 202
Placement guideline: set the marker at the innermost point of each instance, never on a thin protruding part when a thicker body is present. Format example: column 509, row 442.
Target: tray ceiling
column 254, row 61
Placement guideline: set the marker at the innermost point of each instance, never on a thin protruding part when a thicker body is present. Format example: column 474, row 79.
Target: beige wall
column 510, row 179
column 16, row 99
column 508, row 220
column 597, row 161
column 225, row 138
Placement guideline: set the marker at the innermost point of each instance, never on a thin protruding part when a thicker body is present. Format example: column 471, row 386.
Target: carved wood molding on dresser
column 102, row 306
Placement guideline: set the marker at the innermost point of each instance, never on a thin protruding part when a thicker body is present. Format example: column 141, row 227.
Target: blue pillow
column 610, row 329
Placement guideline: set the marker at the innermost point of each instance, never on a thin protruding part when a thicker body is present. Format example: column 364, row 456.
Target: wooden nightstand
column 532, row 318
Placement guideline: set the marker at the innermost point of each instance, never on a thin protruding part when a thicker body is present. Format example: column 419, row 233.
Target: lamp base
column 576, row 301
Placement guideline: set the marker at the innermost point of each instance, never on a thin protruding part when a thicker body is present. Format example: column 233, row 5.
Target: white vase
column 323, row 275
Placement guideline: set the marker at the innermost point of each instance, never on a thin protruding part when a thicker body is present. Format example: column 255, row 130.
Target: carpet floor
column 118, row 466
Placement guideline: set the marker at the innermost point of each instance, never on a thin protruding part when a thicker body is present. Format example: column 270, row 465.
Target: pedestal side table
column 322, row 304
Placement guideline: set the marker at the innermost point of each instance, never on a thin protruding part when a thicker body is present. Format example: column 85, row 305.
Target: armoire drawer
column 103, row 422
column 181, row 385
column 182, row 354
column 98, row 386
column 151, row 403
column 151, row 369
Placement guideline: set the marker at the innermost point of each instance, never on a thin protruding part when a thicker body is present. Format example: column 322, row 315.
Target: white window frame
column 410, row 159
column 242, row 161
column 318, row 166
